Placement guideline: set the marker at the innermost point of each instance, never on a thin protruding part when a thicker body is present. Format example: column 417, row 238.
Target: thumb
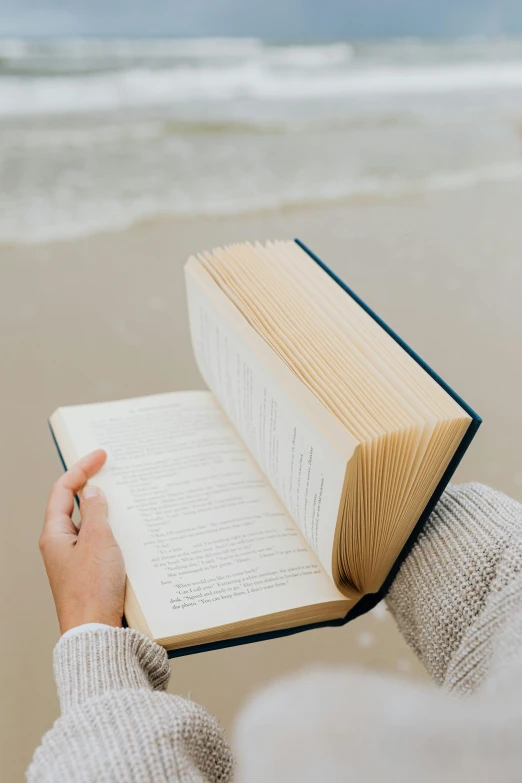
column 94, row 513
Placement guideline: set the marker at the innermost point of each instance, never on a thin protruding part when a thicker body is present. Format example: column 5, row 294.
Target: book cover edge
column 414, row 355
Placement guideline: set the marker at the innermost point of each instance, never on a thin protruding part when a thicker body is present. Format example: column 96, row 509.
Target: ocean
column 99, row 134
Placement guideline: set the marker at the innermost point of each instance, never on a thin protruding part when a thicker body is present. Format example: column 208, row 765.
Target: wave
column 77, row 56
column 84, row 52
column 140, row 88
column 108, row 215
column 87, row 135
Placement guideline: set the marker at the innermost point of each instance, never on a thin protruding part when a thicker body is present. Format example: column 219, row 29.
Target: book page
column 206, row 541
column 301, row 448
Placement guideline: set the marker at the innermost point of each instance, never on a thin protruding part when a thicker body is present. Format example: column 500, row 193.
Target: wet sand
column 104, row 317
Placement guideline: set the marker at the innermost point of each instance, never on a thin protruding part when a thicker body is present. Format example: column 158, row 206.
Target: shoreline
column 356, row 199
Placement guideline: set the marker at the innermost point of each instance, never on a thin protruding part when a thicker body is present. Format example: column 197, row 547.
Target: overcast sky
column 274, row 19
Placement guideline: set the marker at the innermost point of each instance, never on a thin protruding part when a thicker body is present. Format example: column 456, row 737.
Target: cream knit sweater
column 458, row 601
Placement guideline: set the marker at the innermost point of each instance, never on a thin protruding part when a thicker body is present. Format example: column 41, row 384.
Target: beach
column 103, row 317
column 398, row 161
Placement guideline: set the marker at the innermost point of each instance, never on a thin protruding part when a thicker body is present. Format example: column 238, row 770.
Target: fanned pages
column 406, row 427
column 287, row 495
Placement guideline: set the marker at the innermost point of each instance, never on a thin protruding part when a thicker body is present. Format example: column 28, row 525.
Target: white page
column 205, row 540
column 300, row 446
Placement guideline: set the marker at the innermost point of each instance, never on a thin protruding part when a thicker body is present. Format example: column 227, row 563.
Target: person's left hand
column 85, row 567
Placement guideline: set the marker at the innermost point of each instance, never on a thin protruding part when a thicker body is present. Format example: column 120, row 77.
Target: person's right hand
column 85, row 567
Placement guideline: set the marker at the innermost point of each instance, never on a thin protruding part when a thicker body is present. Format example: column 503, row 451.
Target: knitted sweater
column 458, row 601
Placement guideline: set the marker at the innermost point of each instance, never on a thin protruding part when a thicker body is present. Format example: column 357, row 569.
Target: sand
column 104, row 317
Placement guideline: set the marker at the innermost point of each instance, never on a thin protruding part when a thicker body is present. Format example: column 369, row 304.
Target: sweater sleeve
column 459, row 585
column 117, row 722
column 458, row 600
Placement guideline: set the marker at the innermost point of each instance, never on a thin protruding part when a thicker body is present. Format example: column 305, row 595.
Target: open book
column 286, row 496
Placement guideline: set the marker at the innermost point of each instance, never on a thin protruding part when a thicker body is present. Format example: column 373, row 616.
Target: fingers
column 61, row 500
column 94, row 513
column 75, row 478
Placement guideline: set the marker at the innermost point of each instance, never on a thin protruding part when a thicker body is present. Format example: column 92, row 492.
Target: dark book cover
column 370, row 600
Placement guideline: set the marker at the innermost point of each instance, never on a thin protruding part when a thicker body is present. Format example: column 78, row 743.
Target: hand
column 85, row 567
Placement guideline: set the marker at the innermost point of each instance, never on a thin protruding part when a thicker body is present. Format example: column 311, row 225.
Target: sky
column 272, row 19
